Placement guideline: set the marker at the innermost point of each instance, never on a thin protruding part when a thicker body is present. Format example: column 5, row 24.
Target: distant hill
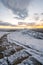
column 38, row 30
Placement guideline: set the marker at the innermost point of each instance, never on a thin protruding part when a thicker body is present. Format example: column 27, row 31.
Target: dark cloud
column 36, row 16
column 41, row 13
column 4, row 23
column 19, row 7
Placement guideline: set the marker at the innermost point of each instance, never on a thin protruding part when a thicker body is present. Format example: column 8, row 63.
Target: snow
column 2, row 33
column 3, row 62
column 27, row 38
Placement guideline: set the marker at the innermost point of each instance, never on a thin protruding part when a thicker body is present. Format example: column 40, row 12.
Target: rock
column 1, row 55
column 2, row 48
column 3, row 62
column 17, row 57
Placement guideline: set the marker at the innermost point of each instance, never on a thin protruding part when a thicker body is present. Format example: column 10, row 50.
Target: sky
column 14, row 11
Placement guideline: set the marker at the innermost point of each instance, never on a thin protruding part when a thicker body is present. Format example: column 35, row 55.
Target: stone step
column 12, row 50
column 9, row 50
column 30, row 61
column 18, row 57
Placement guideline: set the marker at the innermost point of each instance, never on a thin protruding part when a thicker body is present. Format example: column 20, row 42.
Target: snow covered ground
column 26, row 39
column 29, row 40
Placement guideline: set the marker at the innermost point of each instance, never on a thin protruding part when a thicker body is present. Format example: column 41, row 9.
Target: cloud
column 4, row 23
column 41, row 13
column 19, row 7
column 36, row 16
